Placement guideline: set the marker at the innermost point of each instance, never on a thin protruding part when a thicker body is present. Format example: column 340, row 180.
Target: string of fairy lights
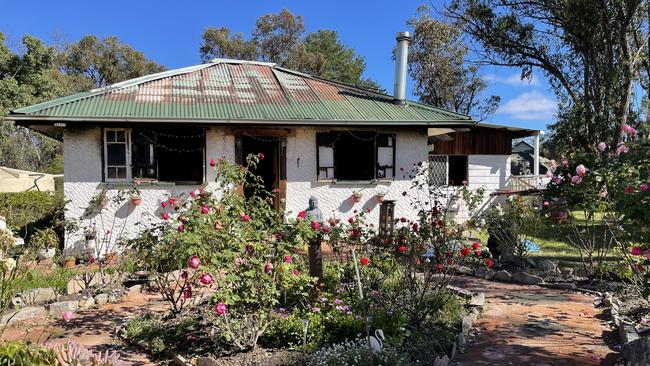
column 154, row 142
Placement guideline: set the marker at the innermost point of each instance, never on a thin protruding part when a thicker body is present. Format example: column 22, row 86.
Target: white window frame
column 127, row 138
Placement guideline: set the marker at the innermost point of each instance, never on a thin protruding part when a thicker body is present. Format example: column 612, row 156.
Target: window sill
column 123, row 185
column 368, row 183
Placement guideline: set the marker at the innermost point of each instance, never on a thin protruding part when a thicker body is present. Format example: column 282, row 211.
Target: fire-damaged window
column 448, row 170
column 355, row 155
column 166, row 155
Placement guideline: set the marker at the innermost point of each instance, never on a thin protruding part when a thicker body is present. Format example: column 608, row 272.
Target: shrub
column 19, row 353
column 33, row 210
column 58, row 279
column 355, row 352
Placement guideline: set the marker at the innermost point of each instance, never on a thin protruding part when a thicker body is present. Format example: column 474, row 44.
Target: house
column 16, row 180
column 319, row 138
column 523, row 158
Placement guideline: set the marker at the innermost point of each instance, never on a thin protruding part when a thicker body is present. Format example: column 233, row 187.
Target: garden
column 228, row 280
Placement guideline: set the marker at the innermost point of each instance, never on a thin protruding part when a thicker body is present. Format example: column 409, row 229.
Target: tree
column 41, row 73
column 279, row 38
column 438, row 68
column 591, row 51
column 106, row 62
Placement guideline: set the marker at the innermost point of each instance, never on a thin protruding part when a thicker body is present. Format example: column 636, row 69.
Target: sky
column 169, row 32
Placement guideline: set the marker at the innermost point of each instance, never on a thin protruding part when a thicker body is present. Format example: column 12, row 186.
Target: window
column 168, row 155
column 447, row 170
column 358, row 155
column 116, row 154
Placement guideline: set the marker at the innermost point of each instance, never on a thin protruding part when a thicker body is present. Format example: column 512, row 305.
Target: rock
column 460, row 339
column 113, row 298
column 27, row 313
column 207, row 361
column 135, row 288
column 484, row 272
column 58, row 308
column 87, row 303
column 468, row 322
column 477, row 300
column 38, row 296
column 526, row 278
column 637, row 351
column 101, row 299
column 78, row 283
column 607, row 302
column 464, row 293
column 547, row 266
column 568, row 271
column 503, row 275
column 16, row 303
column 463, row 270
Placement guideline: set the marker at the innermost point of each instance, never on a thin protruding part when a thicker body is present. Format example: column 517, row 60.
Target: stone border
column 476, row 302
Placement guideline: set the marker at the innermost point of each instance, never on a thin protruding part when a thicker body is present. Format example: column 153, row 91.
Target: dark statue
column 315, row 255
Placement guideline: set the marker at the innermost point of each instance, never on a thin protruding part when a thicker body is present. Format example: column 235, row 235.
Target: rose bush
column 233, row 247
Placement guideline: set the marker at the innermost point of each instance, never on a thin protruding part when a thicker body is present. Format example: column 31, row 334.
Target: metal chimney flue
column 401, row 66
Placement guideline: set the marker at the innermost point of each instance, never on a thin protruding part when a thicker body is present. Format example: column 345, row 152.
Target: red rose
column 315, row 225
column 475, row 245
column 326, row 229
column 260, row 156
column 478, row 253
column 415, row 226
column 163, row 204
column 488, row 262
column 464, row 252
column 245, row 218
column 165, row 216
column 296, row 272
column 439, row 267
column 441, row 222
column 402, row 249
column 364, row 261
column 302, row 214
column 351, row 220
column 403, row 219
column 355, row 232
column 212, row 163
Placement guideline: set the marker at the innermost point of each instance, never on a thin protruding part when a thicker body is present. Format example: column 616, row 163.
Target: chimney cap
column 403, row 36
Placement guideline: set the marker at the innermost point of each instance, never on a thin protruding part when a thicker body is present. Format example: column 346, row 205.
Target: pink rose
column 194, row 262
column 213, row 163
column 163, row 204
column 558, row 181
column 565, row 163
column 288, row 259
column 647, row 254
column 184, row 275
column 164, row 216
column 644, row 186
column 326, row 229
column 622, row 149
column 296, row 272
column 629, row 190
column 245, row 218
column 581, row 170
column 548, row 174
column 546, row 203
column 315, row 225
column 260, row 156
column 67, row 316
column 180, row 227
column 302, row 214
column 187, row 292
column 268, row 268
column 602, row 146
column 193, row 194
column 576, row 179
column 637, row 251
column 629, row 129
column 205, row 279
column 221, row 308
column 205, row 209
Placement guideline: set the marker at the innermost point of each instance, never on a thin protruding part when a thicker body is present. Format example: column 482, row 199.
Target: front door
column 271, row 166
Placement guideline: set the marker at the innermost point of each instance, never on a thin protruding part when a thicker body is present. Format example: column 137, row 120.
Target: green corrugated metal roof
column 235, row 90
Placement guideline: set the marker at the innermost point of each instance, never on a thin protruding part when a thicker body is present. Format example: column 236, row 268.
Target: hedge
column 29, row 211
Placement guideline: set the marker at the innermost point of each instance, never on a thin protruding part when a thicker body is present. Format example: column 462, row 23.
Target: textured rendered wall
column 335, row 199
column 83, row 164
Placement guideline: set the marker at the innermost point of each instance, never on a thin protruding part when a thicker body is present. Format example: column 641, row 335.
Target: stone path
column 532, row 325
column 93, row 328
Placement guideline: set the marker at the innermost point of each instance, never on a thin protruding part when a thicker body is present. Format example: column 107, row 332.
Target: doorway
column 269, row 167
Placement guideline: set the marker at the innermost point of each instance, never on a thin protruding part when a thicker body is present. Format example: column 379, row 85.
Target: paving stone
column 38, row 296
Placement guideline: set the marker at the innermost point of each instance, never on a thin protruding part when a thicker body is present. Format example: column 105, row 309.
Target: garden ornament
column 377, row 342
column 315, row 255
column 313, row 212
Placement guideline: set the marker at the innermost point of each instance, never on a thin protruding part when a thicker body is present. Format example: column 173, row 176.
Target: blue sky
column 170, row 33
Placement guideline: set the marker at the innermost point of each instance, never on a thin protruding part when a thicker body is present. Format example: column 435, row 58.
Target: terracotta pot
column 136, row 200
column 70, row 263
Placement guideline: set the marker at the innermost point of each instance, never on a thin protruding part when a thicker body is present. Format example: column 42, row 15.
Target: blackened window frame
column 330, row 139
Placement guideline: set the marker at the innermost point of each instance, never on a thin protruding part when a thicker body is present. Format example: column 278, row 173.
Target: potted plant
column 45, row 241
column 356, row 196
column 380, row 195
column 70, row 261
column 135, row 198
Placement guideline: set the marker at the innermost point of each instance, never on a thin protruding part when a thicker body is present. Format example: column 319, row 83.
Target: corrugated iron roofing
column 232, row 90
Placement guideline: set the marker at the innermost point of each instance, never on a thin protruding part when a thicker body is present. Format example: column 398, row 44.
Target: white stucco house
column 319, row 137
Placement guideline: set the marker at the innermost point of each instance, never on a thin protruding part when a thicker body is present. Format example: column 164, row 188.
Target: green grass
column 57, row 278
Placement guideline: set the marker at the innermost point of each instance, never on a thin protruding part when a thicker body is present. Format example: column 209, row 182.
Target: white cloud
column 513, row 80
column 530, row 106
